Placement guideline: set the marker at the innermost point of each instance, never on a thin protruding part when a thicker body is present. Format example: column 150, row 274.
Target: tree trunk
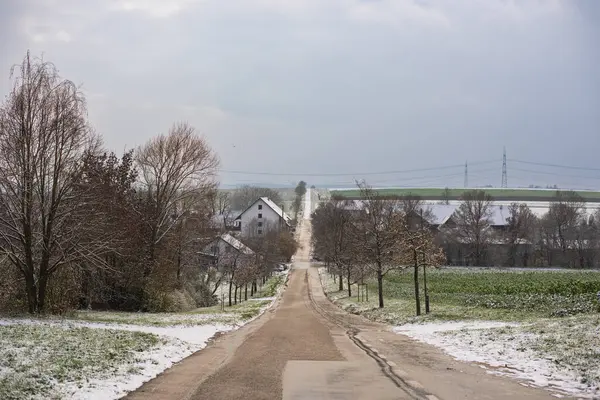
column 246, row 292
column 235, row 295
column 179, row 265
column 41, row 298
column 341, row 285
column 425, row 292
column 417, row 299
column 230, row 287
column 31, row 293
column 348, row 283
column 380, row 285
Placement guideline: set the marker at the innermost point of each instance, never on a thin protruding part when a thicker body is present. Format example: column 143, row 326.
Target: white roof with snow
column 236, row 244
column 440, row 212
column 271, row 204
column 277, row 209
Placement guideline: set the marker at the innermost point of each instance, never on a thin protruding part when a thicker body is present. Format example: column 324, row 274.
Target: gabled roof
column 498, row 214
column 272, row 206
column 440, row 212
column 276, row 208
column 236, row 244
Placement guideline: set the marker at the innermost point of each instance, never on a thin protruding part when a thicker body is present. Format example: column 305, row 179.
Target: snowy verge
column 83, row 360
column 550, row 354
column 75, row 359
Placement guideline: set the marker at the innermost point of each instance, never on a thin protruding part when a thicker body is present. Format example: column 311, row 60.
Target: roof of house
column 271, row 205
column 440, row 212
column 236, row 244
column 276, row 208
column 499, row 214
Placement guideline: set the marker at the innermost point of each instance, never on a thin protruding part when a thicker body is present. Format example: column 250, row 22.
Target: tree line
column 567, row 235
column 360, row 240
column 371, row 239
column 82, row 227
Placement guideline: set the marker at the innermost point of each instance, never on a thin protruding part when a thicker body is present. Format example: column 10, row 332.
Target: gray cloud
column 338, row 86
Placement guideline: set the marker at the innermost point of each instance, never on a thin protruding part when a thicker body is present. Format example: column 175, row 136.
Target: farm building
column 226, row 243
column 261, row 216
column 578, row 246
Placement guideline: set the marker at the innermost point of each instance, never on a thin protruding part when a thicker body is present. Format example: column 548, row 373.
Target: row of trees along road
column 372, row 240
column 82, row 227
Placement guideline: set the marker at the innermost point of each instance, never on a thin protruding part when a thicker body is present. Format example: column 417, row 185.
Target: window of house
column 260, row 231
column 260, row 224
column 260, row 215
column 214, row 249
column 260, row 206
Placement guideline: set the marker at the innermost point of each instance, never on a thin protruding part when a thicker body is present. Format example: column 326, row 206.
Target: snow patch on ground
column 503, row 349
column 176, row 343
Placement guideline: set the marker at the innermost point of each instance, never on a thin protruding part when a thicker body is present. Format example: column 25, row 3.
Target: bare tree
column 415, row 211
column 380, row 235
column 563, row 222
column 43, row 136
column 473, row 223
column 176, row 169
column 520, row 233
column 224, row 207
column 446, row 196
column 332, row 234
column 231, row 263
column 421, row 245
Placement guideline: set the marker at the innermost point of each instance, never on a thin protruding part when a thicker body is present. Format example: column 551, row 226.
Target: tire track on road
column 417, row 393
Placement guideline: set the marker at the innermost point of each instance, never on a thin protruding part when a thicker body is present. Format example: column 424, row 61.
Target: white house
column 263, row 215
column 225, row 244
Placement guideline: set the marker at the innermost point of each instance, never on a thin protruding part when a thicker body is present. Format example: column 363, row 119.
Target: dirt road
column 307, row 348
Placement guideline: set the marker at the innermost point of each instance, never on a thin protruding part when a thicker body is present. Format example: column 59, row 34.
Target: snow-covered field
column 561, row 355
column 104, row 355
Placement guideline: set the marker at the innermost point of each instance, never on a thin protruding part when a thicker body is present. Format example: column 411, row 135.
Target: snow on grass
column 561, row 355
column 104, row 355
column 82, row 360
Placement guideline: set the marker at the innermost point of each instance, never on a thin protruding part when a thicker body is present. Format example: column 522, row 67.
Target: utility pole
column 466, row 175
column 504, row 177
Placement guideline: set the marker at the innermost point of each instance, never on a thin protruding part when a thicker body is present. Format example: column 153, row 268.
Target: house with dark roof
column 261, row 216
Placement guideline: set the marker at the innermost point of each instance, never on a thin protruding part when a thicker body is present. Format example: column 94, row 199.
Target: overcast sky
column 336, row 86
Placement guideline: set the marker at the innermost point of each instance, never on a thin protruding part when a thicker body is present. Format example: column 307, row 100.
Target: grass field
column 233, row 315
column 455, row 194
column 36, row 359
column 542, row 327
column 462, row 293
column 104, row 355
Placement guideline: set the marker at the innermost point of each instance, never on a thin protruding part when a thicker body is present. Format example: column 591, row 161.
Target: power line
column 554, row 174
column 553, row 165
column 354, row 173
